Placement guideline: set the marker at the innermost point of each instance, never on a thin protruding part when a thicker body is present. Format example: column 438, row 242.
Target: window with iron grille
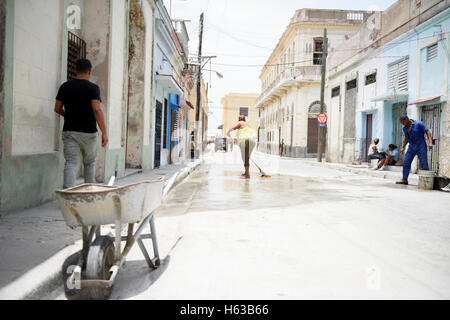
column 432, row 52
column 76, row 50
column 335, row 91
column 371, row 78
column 398, row 75
column 351, row 84
column 318, row 51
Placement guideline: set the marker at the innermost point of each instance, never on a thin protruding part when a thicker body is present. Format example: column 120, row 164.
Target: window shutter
column 398, row 76
column 403, row 75
column 432, row 52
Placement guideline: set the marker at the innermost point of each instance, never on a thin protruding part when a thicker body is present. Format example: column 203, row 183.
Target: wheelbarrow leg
column 152, row 263
column 154, row 241
column 145, row 253
column 118, row 228
column 85, row 249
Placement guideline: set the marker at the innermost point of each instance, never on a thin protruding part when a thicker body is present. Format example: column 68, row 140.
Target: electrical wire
column 332, row 50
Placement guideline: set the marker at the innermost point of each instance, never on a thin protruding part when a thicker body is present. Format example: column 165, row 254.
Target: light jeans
column 76, row 144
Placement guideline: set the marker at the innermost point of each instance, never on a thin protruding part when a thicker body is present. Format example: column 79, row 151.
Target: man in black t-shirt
column 78, row 101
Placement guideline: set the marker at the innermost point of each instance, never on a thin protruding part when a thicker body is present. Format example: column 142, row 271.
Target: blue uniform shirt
column 416, row 135
column 394, row 154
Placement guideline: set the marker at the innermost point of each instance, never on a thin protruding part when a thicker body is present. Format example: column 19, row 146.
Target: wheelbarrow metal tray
column 96, row 204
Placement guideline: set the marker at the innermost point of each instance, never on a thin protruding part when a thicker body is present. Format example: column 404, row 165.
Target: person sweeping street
column 246, row 142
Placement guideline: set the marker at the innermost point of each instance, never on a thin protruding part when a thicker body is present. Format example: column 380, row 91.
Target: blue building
column 392, row 67
column 416, row 71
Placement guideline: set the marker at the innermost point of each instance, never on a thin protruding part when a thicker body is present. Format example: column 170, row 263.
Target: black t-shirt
column 77, row 96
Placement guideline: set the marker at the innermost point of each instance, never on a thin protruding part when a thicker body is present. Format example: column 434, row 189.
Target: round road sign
column 322, row 118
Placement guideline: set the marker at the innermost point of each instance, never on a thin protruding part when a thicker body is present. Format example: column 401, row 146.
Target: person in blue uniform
column 414, row 135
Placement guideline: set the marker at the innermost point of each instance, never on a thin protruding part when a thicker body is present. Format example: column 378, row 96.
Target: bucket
column 426, row 179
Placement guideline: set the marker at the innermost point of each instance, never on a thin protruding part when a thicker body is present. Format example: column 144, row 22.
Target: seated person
column 391, row 159
column 373, row 151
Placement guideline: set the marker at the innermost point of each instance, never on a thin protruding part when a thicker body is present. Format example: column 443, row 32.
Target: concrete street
column 305, row 233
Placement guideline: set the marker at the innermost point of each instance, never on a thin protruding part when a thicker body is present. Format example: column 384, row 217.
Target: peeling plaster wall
column 136, row 75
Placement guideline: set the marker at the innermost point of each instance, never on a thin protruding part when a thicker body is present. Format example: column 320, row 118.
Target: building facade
column 290, row 80
column 39, row 45
column 392, row 67
column 236, row 104
column 203, row 113
column 171, row 88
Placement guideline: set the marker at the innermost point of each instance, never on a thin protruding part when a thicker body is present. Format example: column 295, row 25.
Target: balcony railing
column 289, row 76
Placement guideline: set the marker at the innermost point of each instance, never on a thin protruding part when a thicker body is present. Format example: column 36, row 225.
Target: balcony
column 288, row 78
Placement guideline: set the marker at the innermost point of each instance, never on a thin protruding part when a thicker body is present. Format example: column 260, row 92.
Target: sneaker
column 403, row 181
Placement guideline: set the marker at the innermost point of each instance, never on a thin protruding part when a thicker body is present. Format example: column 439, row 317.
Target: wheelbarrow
column 90, row 206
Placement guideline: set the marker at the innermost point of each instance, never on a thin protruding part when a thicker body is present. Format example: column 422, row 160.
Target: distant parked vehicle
column 220, row 144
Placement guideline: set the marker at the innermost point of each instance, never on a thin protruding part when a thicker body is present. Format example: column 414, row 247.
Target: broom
column 263, row 174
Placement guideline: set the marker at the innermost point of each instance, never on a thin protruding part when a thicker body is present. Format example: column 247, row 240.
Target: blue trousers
column 421, row 152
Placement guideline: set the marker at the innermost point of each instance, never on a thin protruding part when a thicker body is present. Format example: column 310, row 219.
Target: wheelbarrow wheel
column 99, row 261
column 70, row 292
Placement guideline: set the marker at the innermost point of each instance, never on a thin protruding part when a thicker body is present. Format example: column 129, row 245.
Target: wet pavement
column 216, row 188
column 304, row 233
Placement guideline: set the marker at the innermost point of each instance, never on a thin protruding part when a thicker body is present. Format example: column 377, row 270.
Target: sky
column 242, row 34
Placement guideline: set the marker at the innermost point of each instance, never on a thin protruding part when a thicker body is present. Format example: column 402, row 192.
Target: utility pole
column 322, row 95
column 199, row 75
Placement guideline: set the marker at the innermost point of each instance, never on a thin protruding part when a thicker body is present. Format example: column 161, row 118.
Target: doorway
column 313, row 135
column 368, row 139
column 431, row 117
column 158, row 125
column 398, row 110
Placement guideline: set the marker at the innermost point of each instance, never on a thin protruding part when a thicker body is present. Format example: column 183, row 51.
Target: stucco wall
column 118, row 55
column 444, row 144
column 31, row 179
column 148, row 143
column 117, row 91
column 37, row 48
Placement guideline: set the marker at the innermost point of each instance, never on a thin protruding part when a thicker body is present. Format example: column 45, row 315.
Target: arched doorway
column 313, row 127
column 136, row 76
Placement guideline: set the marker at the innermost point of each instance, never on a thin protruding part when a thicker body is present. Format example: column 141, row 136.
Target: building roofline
column 294, row 23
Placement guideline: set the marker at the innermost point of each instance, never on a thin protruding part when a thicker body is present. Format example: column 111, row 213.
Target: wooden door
column 313, row 135
column 398, row 110
column 368, row 140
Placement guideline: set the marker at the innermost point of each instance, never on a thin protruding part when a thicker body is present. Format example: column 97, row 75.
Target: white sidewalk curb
column 39, row 277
